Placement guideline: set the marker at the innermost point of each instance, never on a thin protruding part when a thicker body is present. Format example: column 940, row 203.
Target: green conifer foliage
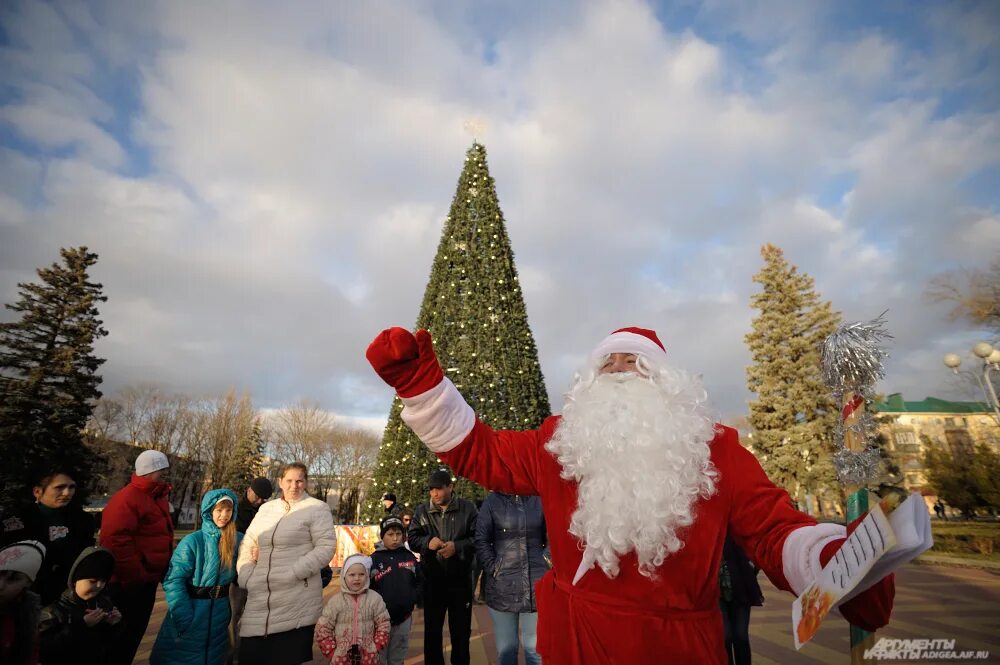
column 793, row 417
column 48, row 375
column 246, row 461
column 474, row 309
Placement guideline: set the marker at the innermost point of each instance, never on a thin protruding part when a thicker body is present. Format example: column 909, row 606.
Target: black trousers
column 454, row 598
column 736, row 620
column 136, row 605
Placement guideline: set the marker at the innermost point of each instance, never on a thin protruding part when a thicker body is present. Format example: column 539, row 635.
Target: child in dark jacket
column 19, row 607
column 396, row 576
column 84, row 620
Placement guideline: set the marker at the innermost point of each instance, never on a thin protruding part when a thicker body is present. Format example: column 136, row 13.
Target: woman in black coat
column 510, row 546
column 739, row 592
column 56, row 521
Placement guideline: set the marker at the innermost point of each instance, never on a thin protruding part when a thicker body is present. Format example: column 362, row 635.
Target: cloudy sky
column 266, row 182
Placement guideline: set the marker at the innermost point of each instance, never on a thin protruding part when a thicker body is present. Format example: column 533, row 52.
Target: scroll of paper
column 849, row 566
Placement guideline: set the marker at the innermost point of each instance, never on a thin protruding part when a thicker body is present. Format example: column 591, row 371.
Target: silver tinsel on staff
column 852, row 364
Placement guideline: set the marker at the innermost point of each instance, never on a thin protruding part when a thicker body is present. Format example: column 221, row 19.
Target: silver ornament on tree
column 853, row 362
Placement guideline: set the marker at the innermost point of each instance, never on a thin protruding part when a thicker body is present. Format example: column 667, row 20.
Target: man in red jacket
column 639, row 488
column 137, row 528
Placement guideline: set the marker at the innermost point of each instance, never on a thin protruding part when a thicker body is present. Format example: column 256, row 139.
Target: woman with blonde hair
column 286, row 545
column 196, row 628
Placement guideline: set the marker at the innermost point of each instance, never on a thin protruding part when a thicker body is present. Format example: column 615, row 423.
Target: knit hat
column 221, row 499
column 390, row 522
column 24, row 556
column 640, row 341
column 439, row 479
column 389, row 496
column 262, row 487
column 150, row 461
column 94, row 563
column 365, row 561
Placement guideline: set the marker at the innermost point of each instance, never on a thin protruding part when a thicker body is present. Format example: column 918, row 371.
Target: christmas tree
column 793, row 417
column 474, row 309
column 48, row 375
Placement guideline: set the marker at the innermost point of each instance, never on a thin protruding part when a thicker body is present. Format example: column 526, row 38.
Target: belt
column 622, row 605
column 208, row 592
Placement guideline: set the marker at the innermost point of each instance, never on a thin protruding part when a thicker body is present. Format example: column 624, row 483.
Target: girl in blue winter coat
column 196, row 628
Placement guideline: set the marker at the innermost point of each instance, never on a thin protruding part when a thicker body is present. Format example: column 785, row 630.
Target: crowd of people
column 583, row 546
column 245, row 587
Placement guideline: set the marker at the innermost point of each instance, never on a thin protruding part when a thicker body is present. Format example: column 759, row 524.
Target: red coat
column 630, row 619
column 137, row 528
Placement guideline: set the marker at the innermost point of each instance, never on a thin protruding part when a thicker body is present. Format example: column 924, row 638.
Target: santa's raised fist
column 405, row 361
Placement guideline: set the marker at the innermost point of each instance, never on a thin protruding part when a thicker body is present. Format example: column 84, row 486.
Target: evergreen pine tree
column 48, row 374
column 475, row 312
column 794, row 417
column 246, row 461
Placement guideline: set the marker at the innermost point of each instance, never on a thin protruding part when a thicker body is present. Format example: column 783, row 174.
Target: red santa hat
column 640, row 341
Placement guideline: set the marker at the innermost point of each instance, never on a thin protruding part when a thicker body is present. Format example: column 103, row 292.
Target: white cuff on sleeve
column 800, row 554
column 440, row 416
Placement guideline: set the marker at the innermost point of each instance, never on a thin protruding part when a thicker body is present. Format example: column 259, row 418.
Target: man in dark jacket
column 137, row 528
column 392, row 507
column 442, row 532
column 260, row 490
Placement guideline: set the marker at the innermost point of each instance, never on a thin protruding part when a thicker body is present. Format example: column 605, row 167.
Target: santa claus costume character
column 639, row 488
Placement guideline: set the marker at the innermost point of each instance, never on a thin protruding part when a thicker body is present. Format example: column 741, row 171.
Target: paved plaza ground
column 932, row 602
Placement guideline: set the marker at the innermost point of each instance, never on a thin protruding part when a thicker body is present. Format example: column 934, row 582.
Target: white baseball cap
column 150, row 461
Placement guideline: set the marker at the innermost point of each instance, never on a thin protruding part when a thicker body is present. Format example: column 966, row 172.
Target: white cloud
column 301, row 163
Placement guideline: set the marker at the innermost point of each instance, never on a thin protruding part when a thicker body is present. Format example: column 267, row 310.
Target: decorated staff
column 852, row 364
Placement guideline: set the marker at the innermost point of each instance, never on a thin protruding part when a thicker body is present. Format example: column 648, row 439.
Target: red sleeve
column 502, row 460
column 325, row 638
column 761, row 514
column 118, row 526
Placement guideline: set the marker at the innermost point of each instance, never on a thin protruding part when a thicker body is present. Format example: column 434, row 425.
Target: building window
column 906, row 442
column 949, row 422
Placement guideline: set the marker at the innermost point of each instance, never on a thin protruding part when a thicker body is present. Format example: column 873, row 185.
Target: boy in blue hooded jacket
column 196, row 628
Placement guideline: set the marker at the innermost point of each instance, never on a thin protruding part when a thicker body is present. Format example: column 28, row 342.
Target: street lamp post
column 991, row 362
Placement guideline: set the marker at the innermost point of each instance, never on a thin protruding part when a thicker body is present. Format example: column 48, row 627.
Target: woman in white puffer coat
column 285, row 546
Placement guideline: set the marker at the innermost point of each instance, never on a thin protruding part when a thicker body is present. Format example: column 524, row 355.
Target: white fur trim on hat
column 150, row 461
column 628, row 342
column 24, row 556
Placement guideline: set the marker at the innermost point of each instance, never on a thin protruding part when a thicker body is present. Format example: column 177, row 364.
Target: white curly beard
column 638, row 449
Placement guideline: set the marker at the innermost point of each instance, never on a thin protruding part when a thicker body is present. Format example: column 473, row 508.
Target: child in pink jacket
column 354, row 625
